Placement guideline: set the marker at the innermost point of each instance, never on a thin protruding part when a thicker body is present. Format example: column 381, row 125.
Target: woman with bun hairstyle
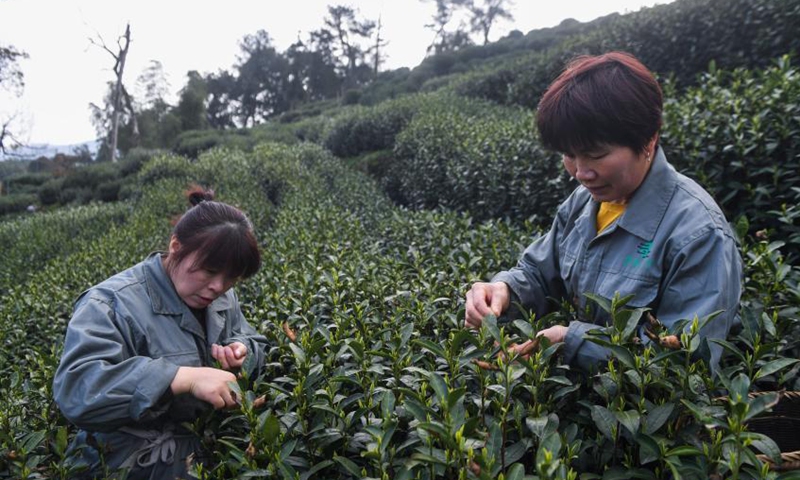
column 158, row 344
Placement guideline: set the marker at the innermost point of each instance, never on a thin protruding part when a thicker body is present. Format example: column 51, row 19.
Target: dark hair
column 607, row 99
column 220, row 233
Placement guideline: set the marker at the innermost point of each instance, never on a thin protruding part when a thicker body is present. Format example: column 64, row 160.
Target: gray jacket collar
column 163, row 296
column 650, row 201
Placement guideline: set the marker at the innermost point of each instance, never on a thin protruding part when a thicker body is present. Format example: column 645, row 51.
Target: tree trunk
column 119, row 69
column 377, row 51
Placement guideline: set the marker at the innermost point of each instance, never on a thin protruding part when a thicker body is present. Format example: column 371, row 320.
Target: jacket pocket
column 644, row 289
column 183, row 359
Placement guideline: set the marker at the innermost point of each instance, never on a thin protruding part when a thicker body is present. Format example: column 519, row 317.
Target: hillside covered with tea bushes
column 379, row 379
column 737, row 133
column 373, row 220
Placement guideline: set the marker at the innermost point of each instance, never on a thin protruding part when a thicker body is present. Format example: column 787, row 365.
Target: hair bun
column 197, row 194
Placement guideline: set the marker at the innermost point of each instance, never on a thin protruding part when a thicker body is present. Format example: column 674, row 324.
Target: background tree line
column 333, row 62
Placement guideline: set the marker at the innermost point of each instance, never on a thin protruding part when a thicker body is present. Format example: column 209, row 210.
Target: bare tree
column 7, row 139
column 444, row 40
column 486, row 14
column 11, row 77
column 11, row 80
column 120, row 93
column 378, row 57
column 347, row 32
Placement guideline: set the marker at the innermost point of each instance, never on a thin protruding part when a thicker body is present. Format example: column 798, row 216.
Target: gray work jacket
column 672, row 248
column 126, row 339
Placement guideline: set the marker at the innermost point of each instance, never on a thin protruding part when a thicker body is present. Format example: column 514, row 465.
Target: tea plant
column 370, row 373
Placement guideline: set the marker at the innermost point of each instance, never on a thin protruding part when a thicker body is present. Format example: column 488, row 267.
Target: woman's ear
column 651, row 145
column 174, row 245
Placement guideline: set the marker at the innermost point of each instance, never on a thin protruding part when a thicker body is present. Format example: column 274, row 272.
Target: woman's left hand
column 230, row 356
column 556, row 333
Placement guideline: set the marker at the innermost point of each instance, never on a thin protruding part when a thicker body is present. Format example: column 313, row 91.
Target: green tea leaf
column 516, row 472
column 657, row 417
column 605, row 420
column 495, row 441
column 316, row 468
column 550, row 443
column 490, row 323
column 348, row 465
column 434, row 348
column 298, row 352
column 774, row 366
column 764, row 444
column 630, row 419
column 405, row 333
column 684, row 451
column 602, row 302
column 525, row 328
column 440, row 387
column 270, row 429
column 740, row 386
column 760, row 404
column 387, row 404
column 649, row 451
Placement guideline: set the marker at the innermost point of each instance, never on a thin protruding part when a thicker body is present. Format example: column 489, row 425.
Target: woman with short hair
column 633, row 226
column 140, row 347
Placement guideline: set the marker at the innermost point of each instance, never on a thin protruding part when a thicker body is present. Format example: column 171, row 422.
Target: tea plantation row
column 736, row 132
column 380, row 380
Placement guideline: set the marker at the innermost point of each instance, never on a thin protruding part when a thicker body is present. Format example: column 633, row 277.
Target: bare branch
column 119, row 89
column 7, row 138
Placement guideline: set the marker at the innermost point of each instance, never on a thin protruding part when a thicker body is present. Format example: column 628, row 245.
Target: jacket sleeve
column 537, row 277
column 703, row 276
column 242, row 331
column 101, row 383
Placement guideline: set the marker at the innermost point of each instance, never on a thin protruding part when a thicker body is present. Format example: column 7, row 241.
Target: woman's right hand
column 206, row 384
column 486, row 299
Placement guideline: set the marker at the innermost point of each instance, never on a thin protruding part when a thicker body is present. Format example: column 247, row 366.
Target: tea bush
column 488, row 163
column 370, row 129
column 735, row 133
column 36, row 240
column 367, row 129
column 738, row 134
column 24, row 182
column 678, row 39
column 16, row 202
column 379, row 379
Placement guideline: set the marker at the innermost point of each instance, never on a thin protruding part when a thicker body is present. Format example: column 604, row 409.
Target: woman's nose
column 217, row 283
column 583, row 172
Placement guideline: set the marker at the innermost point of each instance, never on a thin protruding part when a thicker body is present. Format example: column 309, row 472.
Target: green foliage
column 24, row 182
column 38, row 239
column 66, row 182
column 735, row 133
column 369, row 129
column 381, row 380
column 678, row 39
column 738, row 134
column 16, row 202
column 193, row 142
column 475, row 157
column 10, row 168
column 91, row 175
column 50, row 191
column 133, row 161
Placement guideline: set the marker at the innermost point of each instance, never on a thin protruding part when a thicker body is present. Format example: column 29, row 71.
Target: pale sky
column 65, row 72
